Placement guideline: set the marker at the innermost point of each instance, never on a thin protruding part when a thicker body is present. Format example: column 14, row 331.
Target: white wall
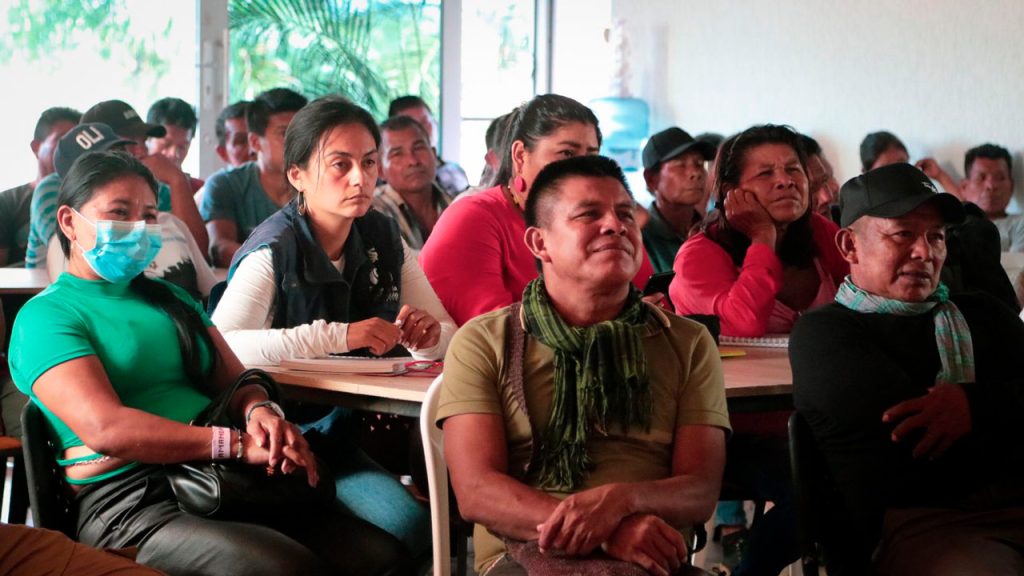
column 943, row 75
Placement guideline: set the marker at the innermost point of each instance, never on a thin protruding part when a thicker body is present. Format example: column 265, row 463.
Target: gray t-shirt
column 14, row 222
column 236, row 194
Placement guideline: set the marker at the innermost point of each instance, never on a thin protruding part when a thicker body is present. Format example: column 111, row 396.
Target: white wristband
column 220, row 447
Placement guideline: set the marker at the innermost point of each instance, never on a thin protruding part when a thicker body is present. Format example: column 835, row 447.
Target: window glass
column 76, row 54
column 369, row 51
column 497, row 70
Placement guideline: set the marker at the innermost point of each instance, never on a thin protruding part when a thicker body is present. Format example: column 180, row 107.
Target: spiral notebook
column 766, row 341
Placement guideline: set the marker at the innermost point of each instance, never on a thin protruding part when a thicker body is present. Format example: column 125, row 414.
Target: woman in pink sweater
column 476, row 259
column 762, row 258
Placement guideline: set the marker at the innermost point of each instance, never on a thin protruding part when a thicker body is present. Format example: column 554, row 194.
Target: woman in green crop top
column 120, row 363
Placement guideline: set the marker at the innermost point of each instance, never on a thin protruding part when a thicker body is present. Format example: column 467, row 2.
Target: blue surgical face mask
column 123, row 249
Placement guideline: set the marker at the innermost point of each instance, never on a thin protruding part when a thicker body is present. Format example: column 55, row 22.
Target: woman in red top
column 476, row 259
column 762, row 258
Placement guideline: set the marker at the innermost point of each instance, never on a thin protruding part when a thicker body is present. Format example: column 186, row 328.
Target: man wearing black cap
column 913, row 396
column 675, row 175
column 126, row 123
column 85, row 137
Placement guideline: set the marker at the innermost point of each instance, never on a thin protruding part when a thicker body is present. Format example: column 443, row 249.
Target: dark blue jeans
column 760, row 465
column 365, row 488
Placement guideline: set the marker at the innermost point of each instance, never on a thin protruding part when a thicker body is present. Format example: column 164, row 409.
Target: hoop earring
column 300, row 202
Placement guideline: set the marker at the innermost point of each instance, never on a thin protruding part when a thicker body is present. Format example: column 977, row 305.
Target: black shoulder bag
column 234, row 490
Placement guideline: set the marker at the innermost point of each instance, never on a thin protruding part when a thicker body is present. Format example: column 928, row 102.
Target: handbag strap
column 217, row 411
column 515, row 361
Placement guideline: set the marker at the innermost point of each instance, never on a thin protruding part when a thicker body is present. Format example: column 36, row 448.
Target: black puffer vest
column 309, row 287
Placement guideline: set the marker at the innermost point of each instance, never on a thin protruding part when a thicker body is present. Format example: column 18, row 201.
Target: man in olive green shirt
column 611, row 439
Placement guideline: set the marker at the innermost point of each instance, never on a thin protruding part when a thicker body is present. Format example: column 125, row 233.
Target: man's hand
column 943, row 413
column 649, row 542
column 583, row 521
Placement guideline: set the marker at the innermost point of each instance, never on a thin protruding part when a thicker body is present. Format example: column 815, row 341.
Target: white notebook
column 348, row 364
column 766, row 341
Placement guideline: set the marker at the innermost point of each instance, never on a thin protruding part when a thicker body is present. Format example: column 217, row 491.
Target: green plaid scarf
column 953, row 336
column 600, row 377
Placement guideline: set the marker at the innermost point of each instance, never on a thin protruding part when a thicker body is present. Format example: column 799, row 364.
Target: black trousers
column 139, row 509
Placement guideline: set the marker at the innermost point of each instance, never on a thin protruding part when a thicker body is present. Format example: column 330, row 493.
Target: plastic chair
column 51, row 505
column 11, row 451
column 437, row 482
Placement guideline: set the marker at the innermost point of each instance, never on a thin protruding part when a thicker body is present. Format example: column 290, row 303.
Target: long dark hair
column 309, row 126
column 305, row 137
column 797, row 248
column 536, row 119
column 97, row 169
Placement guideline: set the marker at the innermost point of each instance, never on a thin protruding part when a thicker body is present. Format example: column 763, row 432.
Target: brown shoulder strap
column 515, row 359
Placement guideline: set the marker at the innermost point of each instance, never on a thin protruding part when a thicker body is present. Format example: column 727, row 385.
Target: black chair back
column 47, row 494
column 810, row 487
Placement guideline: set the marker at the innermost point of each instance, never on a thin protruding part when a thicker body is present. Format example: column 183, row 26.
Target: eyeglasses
column 422, row 368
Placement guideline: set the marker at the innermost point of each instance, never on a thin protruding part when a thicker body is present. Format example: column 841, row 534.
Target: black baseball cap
column 91, row 137
column 892, row 191
column 672, row 142
column 123, row 119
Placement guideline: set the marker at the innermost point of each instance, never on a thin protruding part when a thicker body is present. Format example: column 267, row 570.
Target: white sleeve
column 55, row 261
column 204, row 274
column 246, row 311
column 417, row 292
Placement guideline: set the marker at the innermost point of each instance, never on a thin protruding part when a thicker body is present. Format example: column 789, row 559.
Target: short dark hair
column 987, row 151
column 313, row 122
column 230, row 112
column 173, row 112
column 538, row 118
column 270, row 102
column 875, row 144
column 549, row 182
column 51, row 116
column 403, row 103
column 811, row 146
column 396, row 123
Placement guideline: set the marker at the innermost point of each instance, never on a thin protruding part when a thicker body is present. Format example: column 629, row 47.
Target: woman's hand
column 272, row 441
column 749, row 217
column 419, row 329
column 376, row 334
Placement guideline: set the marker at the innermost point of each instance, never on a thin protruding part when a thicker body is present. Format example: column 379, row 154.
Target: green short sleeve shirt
column 136, row 343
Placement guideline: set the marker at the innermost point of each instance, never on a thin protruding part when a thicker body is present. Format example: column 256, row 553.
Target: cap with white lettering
column 84, row 138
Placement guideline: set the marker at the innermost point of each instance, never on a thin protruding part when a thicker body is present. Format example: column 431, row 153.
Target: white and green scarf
column 953, row 336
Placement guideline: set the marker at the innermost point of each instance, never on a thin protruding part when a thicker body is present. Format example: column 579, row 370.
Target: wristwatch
column 265, row 404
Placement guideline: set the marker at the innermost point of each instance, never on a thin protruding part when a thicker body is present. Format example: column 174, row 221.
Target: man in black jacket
column 913, row 397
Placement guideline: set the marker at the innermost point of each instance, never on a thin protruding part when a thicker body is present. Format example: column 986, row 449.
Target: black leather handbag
column 233, row 490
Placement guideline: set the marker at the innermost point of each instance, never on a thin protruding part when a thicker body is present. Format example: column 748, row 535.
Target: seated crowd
column 585, row 421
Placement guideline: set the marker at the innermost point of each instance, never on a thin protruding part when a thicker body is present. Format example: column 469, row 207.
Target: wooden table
column 759, row 381
column 400, row 395
column 23, row 280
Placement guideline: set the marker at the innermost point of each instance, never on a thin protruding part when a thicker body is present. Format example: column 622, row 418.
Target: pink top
column 707, row 282
column 476, row 259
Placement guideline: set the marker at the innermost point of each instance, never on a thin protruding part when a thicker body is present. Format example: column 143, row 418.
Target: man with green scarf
column 584, row 425
column 914, row 397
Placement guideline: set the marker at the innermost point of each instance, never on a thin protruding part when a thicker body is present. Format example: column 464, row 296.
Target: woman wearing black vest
column 327, row 274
